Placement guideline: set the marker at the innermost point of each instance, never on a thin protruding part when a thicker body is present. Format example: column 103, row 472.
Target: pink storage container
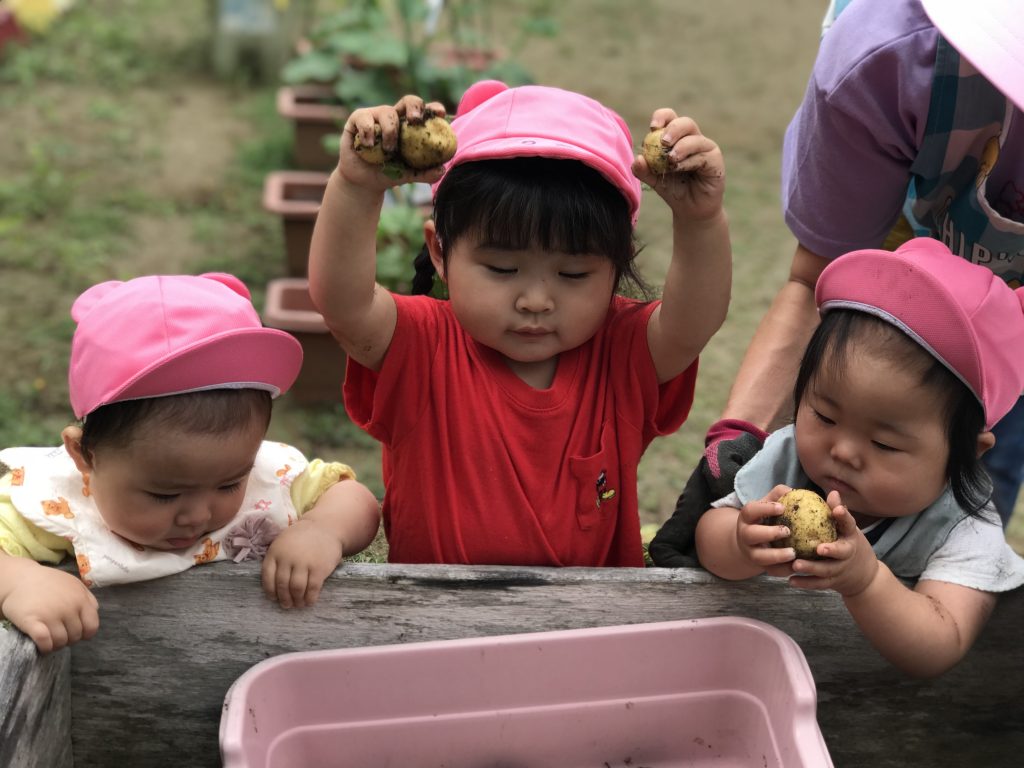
column 718, row 692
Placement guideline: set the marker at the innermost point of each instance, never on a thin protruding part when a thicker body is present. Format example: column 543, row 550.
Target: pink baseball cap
column 168, row 334
column 964, row 315
column 989, row 34
column 496, row 122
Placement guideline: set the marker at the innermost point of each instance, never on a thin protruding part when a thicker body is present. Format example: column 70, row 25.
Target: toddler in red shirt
column 514, row 414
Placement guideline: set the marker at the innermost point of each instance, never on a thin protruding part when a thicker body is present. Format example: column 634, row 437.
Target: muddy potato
column 809, row 520
column 374, row 153
column 655, row 153
column 427, row 144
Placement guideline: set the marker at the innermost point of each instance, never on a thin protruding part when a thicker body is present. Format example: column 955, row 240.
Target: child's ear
column 72, row 437
column 433, row 247
column 985, row 442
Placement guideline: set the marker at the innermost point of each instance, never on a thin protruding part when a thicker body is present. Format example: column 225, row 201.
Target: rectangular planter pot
column 315, row 113
column 295, row 196
column 289, row 308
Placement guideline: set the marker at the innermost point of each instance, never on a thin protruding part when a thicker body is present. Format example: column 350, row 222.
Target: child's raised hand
column 369, row 145
column 849, row 565
column 298, row 562
column 52, row 607
column 755, row 538
column 693, row 180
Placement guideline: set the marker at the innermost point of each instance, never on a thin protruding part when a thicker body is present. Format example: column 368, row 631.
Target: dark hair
column 520, row 202
column 207, row 412
column 965, row 418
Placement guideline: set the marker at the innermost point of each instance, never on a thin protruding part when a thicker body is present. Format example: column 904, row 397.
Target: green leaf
column 367, row 88
column 373, row 47
column 317, row 66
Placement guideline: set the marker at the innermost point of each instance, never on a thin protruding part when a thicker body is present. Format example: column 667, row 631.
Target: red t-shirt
column 481, row 468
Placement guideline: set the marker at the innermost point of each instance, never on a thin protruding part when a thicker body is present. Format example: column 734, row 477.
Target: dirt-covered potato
column 421, row 145
column 655, row 153
column 809, row 520
column 427, row 144
column 374, row 153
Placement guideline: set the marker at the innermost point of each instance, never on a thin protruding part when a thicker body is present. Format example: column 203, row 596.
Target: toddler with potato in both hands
column 916, row 357
column 513, row 415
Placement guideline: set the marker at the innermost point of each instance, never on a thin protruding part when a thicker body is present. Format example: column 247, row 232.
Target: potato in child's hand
column 427, row 144
column 373, row 153
column 421, row 145
column 656, row 153
column 809, row 520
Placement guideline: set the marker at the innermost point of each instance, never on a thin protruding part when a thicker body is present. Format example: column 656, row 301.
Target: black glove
column 729, row 445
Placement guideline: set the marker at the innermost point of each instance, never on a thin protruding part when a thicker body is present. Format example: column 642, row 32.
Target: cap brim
column 256, row 358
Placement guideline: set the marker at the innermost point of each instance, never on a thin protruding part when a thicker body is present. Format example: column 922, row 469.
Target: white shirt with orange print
column 45, row 511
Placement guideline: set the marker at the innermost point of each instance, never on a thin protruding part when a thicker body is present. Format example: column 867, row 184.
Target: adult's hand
column 728, row 445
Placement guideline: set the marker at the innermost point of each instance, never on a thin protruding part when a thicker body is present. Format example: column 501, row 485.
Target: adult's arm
column 763, row 389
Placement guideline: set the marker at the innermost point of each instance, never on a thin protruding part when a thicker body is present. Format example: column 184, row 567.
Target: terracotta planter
column 289, row 308
column 295, row 196
column 315, row 113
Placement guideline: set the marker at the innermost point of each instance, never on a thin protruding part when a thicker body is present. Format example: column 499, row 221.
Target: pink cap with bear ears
column 168, row 334
column 496, row 122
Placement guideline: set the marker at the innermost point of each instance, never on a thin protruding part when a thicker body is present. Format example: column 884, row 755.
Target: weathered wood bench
column 148, row 689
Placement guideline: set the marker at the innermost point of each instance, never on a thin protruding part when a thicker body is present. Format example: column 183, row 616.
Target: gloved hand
column 728, row 445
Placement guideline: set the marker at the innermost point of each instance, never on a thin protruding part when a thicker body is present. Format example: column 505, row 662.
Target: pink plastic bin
column 718, row 692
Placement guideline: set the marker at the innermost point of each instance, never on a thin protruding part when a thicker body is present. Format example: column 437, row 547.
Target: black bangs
column 206, row 412
column 557, row 206
column 532, row 202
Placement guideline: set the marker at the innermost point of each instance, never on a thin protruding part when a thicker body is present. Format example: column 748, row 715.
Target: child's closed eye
column 231, row 487
column 163, row 498
column 500, row 270
column 574, row 275
column 822, row 417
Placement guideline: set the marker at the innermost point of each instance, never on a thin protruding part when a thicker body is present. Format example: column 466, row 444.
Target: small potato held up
column 809, row 520
column 374, row 153
column 656, row 153
column 421, row 145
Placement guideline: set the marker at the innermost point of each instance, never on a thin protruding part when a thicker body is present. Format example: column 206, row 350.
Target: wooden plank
column 150, row 686
column 35, row 704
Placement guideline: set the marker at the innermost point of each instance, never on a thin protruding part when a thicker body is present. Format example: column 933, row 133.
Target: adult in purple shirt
column 911, row 125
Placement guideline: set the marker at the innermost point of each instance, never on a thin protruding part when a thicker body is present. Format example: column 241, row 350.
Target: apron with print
column 48, row 491
column 948, row 197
